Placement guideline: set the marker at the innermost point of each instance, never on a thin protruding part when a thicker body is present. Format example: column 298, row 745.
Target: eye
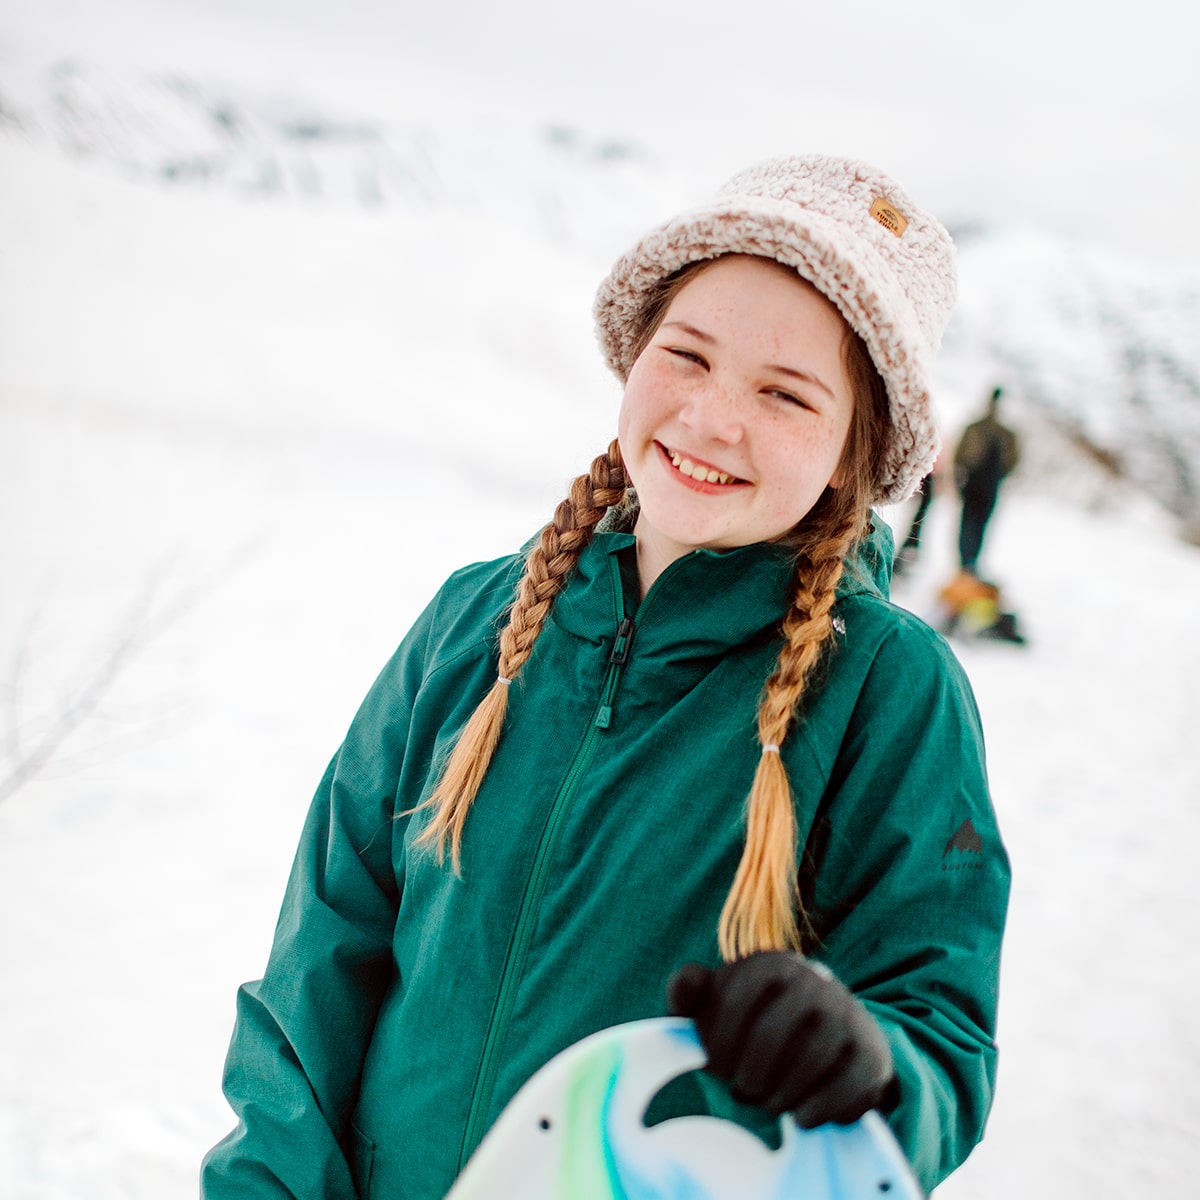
column 686, row 355
column 791, row 398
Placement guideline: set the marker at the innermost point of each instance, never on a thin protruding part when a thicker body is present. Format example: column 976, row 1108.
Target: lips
column 700, row 471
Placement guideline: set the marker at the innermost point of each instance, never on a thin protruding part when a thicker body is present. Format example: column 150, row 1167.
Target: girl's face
column 736, row 413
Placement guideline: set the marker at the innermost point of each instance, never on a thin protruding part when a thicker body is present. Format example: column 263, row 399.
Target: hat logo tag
column 890, row 218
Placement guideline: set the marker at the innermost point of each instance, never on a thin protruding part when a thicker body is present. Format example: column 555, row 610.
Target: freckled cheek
column 808, row 446
column 645, row 404
column 636, row 427
column 802, row 463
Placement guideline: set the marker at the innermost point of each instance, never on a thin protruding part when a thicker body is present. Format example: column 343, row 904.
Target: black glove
column 787, row 1036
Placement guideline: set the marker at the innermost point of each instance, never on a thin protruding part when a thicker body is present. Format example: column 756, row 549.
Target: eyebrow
column 804, row 376
column 708, row 339
column 696, row 333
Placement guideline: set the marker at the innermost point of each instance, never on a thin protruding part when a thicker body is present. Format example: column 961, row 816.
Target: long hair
column 763, row 909
column 558, row 549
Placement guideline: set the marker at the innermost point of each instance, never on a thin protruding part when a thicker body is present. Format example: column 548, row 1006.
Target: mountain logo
column 964, row 851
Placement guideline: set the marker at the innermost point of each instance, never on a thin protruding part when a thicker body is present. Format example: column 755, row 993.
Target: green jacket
column 403, row 1006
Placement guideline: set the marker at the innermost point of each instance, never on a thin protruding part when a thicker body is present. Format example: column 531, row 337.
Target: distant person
column 986, row 454
column 906, row 556
column 678, row 752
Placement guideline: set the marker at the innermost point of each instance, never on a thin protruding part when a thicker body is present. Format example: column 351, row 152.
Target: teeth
column 696, row 471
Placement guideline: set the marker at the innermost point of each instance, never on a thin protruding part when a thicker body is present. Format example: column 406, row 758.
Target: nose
column 715, row 413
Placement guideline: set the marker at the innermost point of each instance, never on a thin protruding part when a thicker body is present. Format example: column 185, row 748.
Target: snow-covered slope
column 1101, row 356
column 560, row 182
column 243, row 437
column 1099, row 352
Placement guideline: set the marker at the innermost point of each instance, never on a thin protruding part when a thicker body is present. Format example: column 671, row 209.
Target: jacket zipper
column 531, row 901
column 616, row 660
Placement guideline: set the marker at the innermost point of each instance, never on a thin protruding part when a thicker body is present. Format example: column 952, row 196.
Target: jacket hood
column 868, row 567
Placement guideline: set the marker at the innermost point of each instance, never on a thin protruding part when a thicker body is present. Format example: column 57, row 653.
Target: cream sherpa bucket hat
column 854, row 234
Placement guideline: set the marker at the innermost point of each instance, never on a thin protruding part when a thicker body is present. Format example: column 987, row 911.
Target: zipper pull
column 616, row 660
column 624, row 638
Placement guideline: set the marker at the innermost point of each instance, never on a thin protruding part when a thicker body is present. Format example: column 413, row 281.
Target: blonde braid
column 546, row 571
column 763, row 909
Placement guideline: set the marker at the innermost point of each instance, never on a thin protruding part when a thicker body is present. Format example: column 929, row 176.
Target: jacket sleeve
column 911, row 890
column 302, row 1031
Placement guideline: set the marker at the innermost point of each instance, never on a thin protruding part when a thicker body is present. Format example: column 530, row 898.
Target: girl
column 681, row 753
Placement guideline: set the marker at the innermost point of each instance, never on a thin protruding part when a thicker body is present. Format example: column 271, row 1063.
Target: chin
column 693, row 538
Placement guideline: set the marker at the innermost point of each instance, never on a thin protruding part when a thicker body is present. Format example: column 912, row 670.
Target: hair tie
column 770, row 748
column 503, row 679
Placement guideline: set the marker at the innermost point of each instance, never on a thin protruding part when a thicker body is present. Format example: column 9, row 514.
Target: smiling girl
column 740, row 396
column 682, row 752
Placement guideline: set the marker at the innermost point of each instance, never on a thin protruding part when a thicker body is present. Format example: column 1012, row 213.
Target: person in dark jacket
column 906, row 556
column 986, row 454
column 679, row 753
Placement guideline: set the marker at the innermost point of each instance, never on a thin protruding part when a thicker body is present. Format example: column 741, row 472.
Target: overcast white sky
column 1081, row 117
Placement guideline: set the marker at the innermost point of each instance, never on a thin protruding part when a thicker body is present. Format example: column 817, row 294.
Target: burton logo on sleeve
column 964, row 850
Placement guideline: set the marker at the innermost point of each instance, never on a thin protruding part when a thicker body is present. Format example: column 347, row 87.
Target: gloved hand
column 787, row 1036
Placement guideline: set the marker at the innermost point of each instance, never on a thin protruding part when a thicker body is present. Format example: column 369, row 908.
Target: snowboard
column 575, row 1132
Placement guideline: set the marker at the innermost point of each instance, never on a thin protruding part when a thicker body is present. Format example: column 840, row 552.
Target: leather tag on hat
column 888, row 216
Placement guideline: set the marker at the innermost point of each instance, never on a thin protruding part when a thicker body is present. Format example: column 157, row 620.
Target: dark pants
column 925, row 494
column 977, row 506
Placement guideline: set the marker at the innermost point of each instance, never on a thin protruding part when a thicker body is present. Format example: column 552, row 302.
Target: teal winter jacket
column 402, row 1005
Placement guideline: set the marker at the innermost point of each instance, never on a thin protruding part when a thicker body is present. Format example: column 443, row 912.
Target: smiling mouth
column 701, row 472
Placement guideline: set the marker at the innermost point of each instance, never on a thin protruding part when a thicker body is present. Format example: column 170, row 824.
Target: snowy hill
column 1099, row 352
column 246, row 430
column 1102, row 357
column 560, row 182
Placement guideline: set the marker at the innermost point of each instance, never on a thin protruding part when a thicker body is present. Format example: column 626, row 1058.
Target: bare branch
column 141, row 625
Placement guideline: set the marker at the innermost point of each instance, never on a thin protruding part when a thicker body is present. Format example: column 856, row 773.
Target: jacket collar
column 706, row 602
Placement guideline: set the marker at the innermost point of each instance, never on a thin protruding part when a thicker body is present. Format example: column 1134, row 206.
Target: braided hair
column 549, row 563
column 763, row 910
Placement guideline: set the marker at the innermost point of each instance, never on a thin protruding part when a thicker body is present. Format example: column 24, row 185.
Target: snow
column 1089, row 737
column 241, row 442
